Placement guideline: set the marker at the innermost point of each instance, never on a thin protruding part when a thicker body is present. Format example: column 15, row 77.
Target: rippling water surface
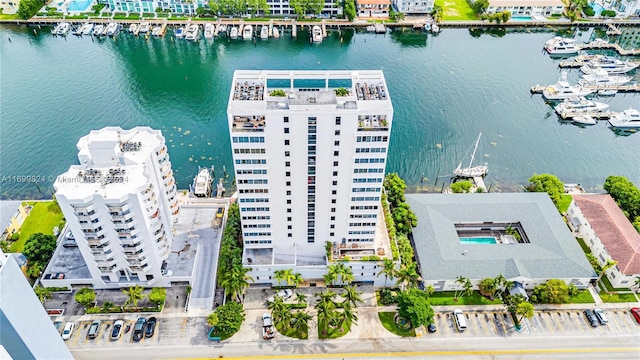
column 445, row 90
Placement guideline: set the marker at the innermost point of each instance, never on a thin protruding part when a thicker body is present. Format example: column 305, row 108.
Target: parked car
column 68, row 330
column 220, row 211
column 591, row 317
column 116, row 332
column 284, row 294
column 602, row 318
column 431, row 328
column 138, row 329
column 93, row 329
column 150, row 327
column 635, row 312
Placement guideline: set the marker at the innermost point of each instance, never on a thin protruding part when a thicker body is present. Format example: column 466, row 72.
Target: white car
column 68, row 330
column 284, row 294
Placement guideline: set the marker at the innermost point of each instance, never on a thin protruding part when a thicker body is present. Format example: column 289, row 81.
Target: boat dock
column 479, row 181
column 613, row 30
column 597, row 115
column 600, row 44
column 538, row 89
column 576, row 63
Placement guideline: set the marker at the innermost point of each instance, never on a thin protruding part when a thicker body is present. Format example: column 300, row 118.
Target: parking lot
column 544, row 323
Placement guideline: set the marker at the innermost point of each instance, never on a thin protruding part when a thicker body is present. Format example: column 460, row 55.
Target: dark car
column 591, row 318
column 138, row 329
column 150, row 327
column 431, row 328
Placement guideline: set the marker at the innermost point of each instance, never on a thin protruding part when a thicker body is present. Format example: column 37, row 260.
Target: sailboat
column 472, row 171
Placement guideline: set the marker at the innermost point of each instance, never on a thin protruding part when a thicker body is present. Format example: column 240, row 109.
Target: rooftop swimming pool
column 478, row 240
column 79, row 5
column 521, row 18
column 597, row 8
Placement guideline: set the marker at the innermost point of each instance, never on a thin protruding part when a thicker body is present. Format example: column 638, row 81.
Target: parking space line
column 627, row 320
column 483, row 324
column 471, row 317
column 546, row 323
column 445, row 323
column 503, row 322
column 579, row 320
column 493, row 317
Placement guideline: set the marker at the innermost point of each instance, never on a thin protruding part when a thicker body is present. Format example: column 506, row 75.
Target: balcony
column 372, row 124
column 248, row 124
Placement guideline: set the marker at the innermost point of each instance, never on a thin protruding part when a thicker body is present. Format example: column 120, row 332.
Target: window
column 333, row 218
column 287, row 163
column 289, row 227
column 335, row 173
column 332, row 234
column 333, row 201
column 333, row 226
column 333, row 210
column 286, row 119
column 336, row 153
column 286, row 153
column 337, row 132
column 334, row 192
column 335, row 163
column 334, row 183
column 288, row 210
column 286, row 142
column 338, row 119
column 289, row 235
column 336, row 143
column 288, row 218
column 288, row 192
column 288, row 201
column 288, row 183
column 286, row 130
column 287, row 173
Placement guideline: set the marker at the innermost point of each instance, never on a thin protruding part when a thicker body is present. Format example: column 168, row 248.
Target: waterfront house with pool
column 609, row 235
column 519, row 235
column 522, row 9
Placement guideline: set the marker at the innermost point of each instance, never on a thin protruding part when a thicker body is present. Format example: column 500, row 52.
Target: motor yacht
column 208, row 31
column 276, row 32
column 63, row 29
column 247, row 32
column 233, row 34
column 113, row 29
column 602, row 78
column 610, row 64
column 133, row 27
column 628, row 119
column 563, row 90
column 156, row 31
column 264, row 32
column 98, row 29
column 86, row 29
column 316, row 34
column 144, row 28
column 584, row 120
column 580, row 104
column 561, row 46
column 192, row 33
column 180, row 32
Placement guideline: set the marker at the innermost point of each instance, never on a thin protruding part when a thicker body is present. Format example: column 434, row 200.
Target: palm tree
column 326, row 297
column 524, row 310
column 277, row 306
column 236, row 281
column 339, row 273
column 135, row 294
column 487, row 287
column 500, row 284
column 300, row 321
column 352, row 296
column 467, row 288
column 300, row 298
column 295, row 280
column 388, row 270
column 213, row 319
column 637, row 284
column 608, row 265
column 326, row 311
column 348, row 314
column 408, row 276
column 279, row 276
column 43, row 293
column 461, row 281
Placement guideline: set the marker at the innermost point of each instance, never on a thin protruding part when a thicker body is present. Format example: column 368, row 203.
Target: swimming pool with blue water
column 478, row 240
column 79, row 5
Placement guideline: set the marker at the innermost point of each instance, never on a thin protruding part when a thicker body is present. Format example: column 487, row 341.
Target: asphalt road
column 620, row 346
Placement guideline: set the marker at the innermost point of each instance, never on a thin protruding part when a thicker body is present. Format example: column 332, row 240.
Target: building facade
column 120, row 204
column 373, row 8
column 9, row 6
column 414, row 7
column 526, row 8
column 623, row 8
column 139, row 6
column 26, row 332
column 601, row 224
column 310, row 150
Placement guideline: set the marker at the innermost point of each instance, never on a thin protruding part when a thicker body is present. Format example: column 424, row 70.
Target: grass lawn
column 221, row 335
column 607, row 284
column 582, row 297
column 446, row 298
column 615, row 298
column 584, row 246
column 293, row 333
column 9, row 17
column 563, row 204
column 387, row 320
column 325, row 332
column 42, row 219
column 456, row 10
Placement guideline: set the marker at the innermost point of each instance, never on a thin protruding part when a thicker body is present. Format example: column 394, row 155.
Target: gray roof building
column 549, row 250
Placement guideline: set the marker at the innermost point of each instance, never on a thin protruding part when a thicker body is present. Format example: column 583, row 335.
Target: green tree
column 462, row 281
column 608, row 265
column 43, row 293
column 437, row 13
column 352, row 296
column 325, row 307
column 547, row 183
column 524, row 310
column 300, row 321
column 35, row 269
column 404, row 218
column 213, row 319
column 39, row 248
column 85, row 297
column 461, row 186
column 388, row 270
column 258, row 6
column 554, row 291
column 280, row 275
column 394, row 186
column 501, row 285
column 408, row 276
column 413, row 305
column 350, row 9
column 135, row 294
column 480, row 6
column 278, row 308
column 487, row 287
column 301, row 298
column 339, row 274
column 626, row 195
column 235, row 281
column 28, row 8
column 230, row 317
column 348, row 315
column 158, row 296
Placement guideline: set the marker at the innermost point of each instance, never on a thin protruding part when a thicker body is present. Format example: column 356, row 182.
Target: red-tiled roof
column 618, row 236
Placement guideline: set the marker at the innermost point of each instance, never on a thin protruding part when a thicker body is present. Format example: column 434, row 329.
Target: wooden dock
column 600, row 44
column 578, row 63
column 597, row 115
column 538, row 89
column 613, row 30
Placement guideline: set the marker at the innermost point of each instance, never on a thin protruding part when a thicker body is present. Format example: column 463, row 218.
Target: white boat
column 435, row 28
column 427, row 26
column 180, row 32
column 561, row 46
column 247, row 32
column 202, row 182
column 76, row 30
column 63, row 29
column 133, row 27
column 607, row 92
column 87, row 28
column 264, row 32
column 113, row 29
column 628, row 119
column 233, row 33
column 223, row 28
column 584, row 120
column 316, row 34
column 602, row 78
column 563, row 90
column 472, row 171
column 371, row 28
column 208, row 31
column 580, row 104
column 98, row 29
column 610, row 64
column 156, row 31
column 144, row 28
column 192, row 33
column 276, row 32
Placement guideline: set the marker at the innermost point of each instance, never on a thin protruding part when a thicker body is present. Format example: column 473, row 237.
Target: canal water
column 445, row 90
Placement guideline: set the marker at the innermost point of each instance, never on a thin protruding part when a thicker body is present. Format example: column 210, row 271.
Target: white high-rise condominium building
column 26, row 331
column 120, row 204
column 310, row 150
